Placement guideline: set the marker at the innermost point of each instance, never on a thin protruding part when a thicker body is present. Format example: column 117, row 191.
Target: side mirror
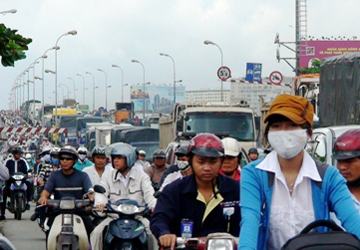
column 99, row 189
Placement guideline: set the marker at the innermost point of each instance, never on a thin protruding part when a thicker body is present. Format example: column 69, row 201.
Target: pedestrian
column 275, row 193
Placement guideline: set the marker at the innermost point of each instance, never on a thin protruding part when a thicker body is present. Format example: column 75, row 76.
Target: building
column 206, row 96
column 251, row 93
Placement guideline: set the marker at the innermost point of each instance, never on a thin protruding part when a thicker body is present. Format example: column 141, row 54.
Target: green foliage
column 12, row 46
column 315, row 68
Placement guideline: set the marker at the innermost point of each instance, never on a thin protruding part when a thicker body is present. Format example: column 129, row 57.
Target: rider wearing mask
column 67, row 182
column 123, row 182
column 232, row 157
column 347, row 153
column 15, row 165
column 100, row 167
column 83, row 161
column 204, row 202
column 54, row 158
column 287, row 190
column 181, row 154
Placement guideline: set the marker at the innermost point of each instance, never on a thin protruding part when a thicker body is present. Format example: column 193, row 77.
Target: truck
column 124, row 112
column 235, row 121
column 339, row 90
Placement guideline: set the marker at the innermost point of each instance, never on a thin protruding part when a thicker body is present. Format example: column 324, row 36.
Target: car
column 321, row 145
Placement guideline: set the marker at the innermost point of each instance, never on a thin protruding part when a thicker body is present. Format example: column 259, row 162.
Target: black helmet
column 98, row 151
column 17, row 150
column 182, row 149
column 69, row 150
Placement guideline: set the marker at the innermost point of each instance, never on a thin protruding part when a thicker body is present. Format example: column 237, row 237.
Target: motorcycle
column 68, row 230
column 213, row 241
column 125, row 232
column 18, row 187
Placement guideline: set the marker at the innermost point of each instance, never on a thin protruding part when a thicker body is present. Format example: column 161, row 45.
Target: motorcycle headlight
column 67, row 204
column 18, row 177
column 220, row 244
column 128, row 209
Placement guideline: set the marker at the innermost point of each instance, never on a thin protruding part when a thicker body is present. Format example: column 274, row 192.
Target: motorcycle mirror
column 99, row 189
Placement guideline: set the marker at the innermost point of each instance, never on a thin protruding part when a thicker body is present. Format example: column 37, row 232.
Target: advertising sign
column 253, row 72
column 321, row 49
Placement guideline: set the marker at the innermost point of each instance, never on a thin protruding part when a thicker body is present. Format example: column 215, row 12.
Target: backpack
column 337, row 239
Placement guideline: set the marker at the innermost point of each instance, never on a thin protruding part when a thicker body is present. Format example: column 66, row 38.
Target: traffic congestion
column 207, row 161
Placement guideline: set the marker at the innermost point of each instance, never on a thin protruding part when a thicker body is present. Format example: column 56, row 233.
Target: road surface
column 24, row 234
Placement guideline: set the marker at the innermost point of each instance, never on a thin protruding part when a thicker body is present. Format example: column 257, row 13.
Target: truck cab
column 223, row 120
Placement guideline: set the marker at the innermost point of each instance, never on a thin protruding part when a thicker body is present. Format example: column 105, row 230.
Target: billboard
column 253, row 72
column 321, row 49
column 157, row 98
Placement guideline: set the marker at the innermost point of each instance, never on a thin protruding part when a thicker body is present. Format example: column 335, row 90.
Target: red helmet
column 347, row 145
column 206, row 144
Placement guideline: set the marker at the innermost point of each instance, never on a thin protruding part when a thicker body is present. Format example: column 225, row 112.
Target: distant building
column 206, row 96
column 251, row 92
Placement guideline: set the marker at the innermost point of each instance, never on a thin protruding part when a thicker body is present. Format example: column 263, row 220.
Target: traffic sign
column 276, row 77
column 224, row 73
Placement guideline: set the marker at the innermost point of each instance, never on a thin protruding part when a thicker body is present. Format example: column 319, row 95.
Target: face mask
column 82, row 157
column 288, row 144
column 182, row 164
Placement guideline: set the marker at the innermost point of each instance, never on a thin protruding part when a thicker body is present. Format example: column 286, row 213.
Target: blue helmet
column 125, row 150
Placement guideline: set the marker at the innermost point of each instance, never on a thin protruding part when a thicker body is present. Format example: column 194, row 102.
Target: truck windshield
column 81, row 122
column 68, row 122
column 237, row 125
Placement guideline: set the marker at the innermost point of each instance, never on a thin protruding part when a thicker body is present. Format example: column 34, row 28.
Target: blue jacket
column 331, row 194
column 178, row 201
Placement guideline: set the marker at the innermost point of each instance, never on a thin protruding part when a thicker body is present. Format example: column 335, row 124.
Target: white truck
column 220, row 119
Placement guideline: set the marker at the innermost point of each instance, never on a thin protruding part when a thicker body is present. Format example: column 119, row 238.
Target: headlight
column 220, row 244
column 67, row 204
column 18, row 177
column 128, row 209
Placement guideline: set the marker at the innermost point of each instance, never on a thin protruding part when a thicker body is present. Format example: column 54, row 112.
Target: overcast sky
column 116, row 31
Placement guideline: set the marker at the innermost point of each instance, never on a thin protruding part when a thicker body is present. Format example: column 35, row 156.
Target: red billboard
column 320, row 49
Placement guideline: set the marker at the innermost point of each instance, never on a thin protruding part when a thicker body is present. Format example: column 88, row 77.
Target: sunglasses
column 66, row 159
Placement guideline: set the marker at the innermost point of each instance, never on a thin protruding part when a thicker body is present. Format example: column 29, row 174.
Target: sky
column 117, row 31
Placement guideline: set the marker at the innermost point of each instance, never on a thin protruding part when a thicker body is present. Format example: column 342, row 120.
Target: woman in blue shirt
column 287, row 190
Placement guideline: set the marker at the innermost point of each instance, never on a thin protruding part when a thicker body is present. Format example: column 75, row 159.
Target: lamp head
column 72, row 32
column 207, row 42
column 134, row 61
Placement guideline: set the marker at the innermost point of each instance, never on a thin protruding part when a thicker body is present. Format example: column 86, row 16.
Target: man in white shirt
column 123, row 182
column 100, row 167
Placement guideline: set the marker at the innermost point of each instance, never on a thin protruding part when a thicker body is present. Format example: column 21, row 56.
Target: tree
column 315, row 68
column 12, row 46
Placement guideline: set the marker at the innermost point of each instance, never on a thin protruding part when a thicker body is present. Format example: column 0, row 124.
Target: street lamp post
column 122, row 80
column 74, row 85
column 174, row 71
column 106, row 87
column 83, row 78
column 73, row 32
column 12, row 11
column 143, row 69
column 94, row 87
column 207, row 42
column 43, row 57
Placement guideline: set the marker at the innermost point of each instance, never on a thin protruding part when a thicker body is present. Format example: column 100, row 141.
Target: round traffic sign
column 224, row 73
column 276, row 77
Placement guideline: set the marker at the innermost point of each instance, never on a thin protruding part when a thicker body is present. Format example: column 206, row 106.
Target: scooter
column 68, row 231
column 18, row 187
column 125, row 232
column 213, row 241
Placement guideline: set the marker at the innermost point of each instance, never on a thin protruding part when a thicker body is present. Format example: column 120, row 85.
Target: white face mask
column 182, row 164
column 289, row 143
column 82, row 157
column 45, row 158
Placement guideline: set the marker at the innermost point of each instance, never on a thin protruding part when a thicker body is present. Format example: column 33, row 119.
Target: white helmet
column 231, row 147
column 28, row 156
column 82, row 150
